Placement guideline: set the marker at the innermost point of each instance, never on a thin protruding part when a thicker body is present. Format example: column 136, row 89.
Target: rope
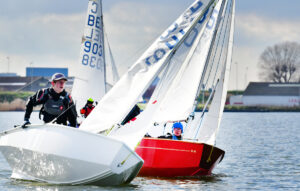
column 209, row 157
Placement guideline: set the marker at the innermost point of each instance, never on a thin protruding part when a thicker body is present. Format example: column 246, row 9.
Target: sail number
column 92, row 47
column 176, row 33
column 93, row 51
column 173, row 36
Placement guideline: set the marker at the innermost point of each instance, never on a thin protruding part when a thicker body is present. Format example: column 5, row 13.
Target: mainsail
column 173, row 99
column 174, row 96
column 117, row 103
column 177, row 103
column 90, row 76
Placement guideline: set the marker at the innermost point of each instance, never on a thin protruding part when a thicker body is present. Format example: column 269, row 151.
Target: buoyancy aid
column 53, row 106
column 86, row 110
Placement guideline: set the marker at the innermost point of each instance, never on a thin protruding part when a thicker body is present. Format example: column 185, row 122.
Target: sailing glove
column 26, row 122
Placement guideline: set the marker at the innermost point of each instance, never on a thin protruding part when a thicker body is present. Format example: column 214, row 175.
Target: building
column 34, row 83
column 8, row 74
column 45, row 72
column 269, row 94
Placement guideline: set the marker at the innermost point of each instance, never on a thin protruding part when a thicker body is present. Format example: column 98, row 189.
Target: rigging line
column 208, row 55
column 62, row 113
column 230, row 34
column 215, row 46
column 204, row 108
column 116, row 76
column 226, row 36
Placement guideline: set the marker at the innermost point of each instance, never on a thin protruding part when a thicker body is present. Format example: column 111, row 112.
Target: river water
column 262, row 153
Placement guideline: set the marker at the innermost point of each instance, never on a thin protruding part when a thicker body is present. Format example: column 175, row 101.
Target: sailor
column 88, row 108
column 55, row 101
column 177, row 130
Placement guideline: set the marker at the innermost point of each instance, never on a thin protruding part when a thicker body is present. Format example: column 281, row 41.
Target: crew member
column 177, row 130
column 88, row 108
column 55, row 101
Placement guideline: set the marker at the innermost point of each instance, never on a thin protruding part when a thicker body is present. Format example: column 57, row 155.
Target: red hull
column 171, row 158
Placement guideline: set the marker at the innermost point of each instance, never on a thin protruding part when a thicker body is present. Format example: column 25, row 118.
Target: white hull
column 58, row 154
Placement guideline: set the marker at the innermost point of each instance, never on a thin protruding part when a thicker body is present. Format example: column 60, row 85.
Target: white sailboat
column 58, row 154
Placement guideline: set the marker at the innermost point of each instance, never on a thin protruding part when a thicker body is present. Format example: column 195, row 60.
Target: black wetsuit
column 54, row 104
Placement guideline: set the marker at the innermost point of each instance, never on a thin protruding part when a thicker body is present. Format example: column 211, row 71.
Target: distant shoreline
column 244, row 109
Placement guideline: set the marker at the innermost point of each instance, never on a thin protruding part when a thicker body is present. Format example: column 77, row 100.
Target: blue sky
column 44, row 33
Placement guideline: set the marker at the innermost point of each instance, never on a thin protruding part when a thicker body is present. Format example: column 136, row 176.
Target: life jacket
column 174, row 137
column 86, row 110
column 54, row 107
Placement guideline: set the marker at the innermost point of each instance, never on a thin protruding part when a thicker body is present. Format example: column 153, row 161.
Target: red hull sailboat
column 191, row 57
column 172, row 158
column 194, row 155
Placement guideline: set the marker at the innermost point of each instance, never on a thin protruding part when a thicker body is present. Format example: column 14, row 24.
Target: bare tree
column 281, row 63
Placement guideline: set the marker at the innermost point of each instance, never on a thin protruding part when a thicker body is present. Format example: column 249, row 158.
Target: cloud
column 50, row 40
column 253, row 34
column 268, row 29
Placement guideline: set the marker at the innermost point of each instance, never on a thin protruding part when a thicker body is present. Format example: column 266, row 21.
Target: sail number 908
column 91, row 59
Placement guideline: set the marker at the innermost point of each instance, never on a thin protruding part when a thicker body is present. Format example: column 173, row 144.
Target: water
column 262, row 153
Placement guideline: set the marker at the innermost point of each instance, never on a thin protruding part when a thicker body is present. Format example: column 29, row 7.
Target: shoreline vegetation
column 16, row 101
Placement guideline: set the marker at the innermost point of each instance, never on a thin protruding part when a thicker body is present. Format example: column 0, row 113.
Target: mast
column 103, row 44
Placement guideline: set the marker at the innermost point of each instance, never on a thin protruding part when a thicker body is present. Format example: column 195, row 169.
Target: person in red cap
column 55, row 101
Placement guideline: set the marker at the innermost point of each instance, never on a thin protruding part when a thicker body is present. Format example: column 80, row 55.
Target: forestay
column 117, row 103
column 90, row 70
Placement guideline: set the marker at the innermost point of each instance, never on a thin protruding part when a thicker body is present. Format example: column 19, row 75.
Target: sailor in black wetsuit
column 56, row 102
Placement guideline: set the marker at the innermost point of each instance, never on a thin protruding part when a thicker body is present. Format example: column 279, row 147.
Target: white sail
column 132, row 132
column 166, row 102
column 117, row 103
column 212, row 120
column 90, row 70
column 177, row 103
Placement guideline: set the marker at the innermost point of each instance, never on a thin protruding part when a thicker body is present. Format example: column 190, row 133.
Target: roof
column 13, row 83
column 33, row 83
column 272, row 89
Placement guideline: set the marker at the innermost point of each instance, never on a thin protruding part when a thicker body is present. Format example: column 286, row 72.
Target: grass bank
column 13, row 101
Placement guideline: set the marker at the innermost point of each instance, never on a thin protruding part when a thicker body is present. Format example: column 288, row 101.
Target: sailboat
column 58, row 154
column 196, row 154
column 194, row 53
